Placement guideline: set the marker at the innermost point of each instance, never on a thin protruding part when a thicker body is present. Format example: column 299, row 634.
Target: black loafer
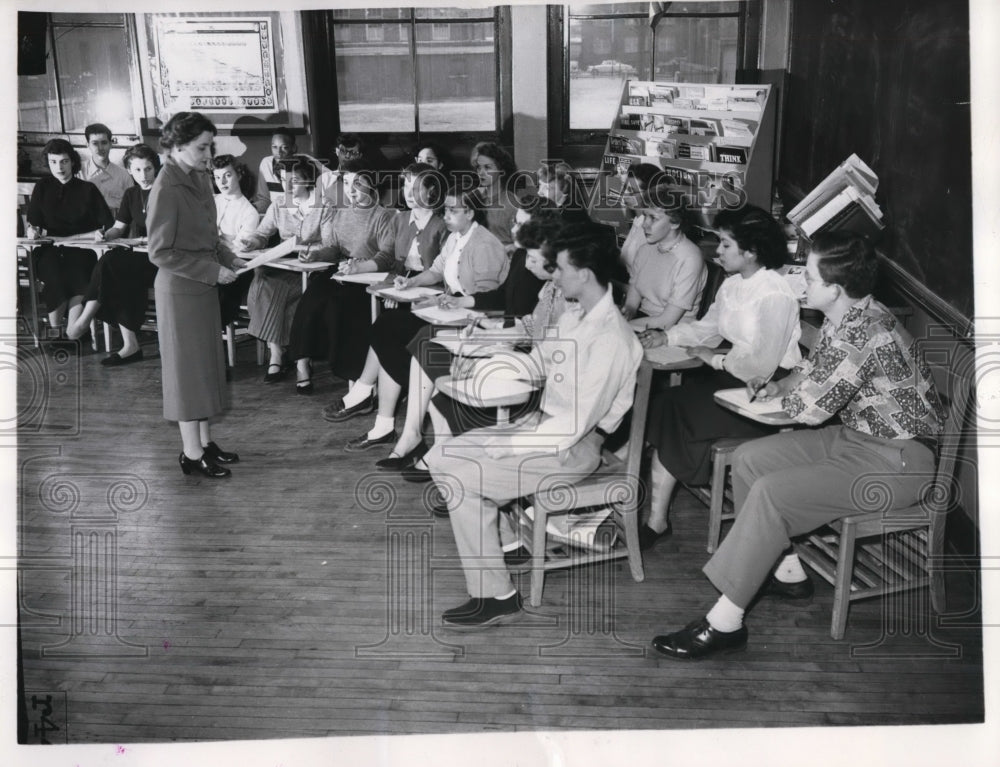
column 338, row 412
column 362, row 443
column 480, row 613
column 116, row 360
column 648, row 537
column 304, row 387
column 699, row 640
column 789, row 591
column 398, row 463
column 217, row 454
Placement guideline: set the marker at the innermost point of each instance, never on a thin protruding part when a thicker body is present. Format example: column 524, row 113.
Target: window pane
column 603, row 54
column 454, row 13
column 697, row 50
column 360, row 14
column 37, row 106
column 457, row 77
column 626, row 9
column 94, row 78
column 69, row 19
column 374, row 79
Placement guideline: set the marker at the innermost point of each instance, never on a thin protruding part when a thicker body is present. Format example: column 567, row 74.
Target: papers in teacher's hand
column 409, row 294
column 362, row 278
column 667, row 355
column 437, row 315
column 265, row 257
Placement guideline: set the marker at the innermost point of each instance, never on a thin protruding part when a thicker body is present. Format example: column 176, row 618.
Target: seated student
column 494, row 166
column 433, row 154
column 758, row 313
column 638, row 179
column 235, row 217
column 269, row 187
column 559, row 184
column 118, row 292
column 472, row 260
column 867, row 369
column 113, row 180
column 667, row 274
column 518, row 296
column 420, row 232
column 333, row 319
column 274, row 294
column 61, row 206
column 589, row 371
column 525, row 322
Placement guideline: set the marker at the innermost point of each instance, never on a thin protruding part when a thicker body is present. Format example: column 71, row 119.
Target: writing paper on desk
column 409, row 294
column 362, row 278
column 667, row 355
column 437, row 315
column 282, row 249
column 740, row 400
column 472, row 347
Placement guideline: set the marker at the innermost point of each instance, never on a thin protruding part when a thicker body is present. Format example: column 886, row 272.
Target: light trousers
column 791, row 483
column 475, row 484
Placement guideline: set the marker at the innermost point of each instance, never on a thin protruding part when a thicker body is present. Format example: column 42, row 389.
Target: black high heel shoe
column 217, row 454
column 404, row 462
column 203, row 465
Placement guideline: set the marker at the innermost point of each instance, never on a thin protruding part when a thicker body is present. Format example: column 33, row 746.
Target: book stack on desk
column 844, row 200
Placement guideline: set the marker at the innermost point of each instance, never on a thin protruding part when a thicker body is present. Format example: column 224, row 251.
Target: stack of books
column 844, row 200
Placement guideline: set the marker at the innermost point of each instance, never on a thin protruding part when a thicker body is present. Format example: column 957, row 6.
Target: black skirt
column 120, row 282
column 684, row 421
column 63, row 271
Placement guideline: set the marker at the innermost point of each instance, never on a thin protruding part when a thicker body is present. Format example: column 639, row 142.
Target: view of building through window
column 608, row 44
column 426, row 69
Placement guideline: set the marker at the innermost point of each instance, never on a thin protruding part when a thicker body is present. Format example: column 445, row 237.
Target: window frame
column 77, row 137
column 560, row 134
column 321, row 51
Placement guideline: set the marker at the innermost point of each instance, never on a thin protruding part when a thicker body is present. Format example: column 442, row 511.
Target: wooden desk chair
column 879, row 552
column 718, row 495
column 616, row 483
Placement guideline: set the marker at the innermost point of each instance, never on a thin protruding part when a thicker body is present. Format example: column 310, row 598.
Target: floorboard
column 171, row 608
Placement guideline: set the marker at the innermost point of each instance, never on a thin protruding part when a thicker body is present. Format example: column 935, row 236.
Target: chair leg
column 107, row 337
column 93, row 336
column 630, row 521
column 230, row 335
column 719, row 467
column 537, row 556
column 261, row 346
column 842, row 581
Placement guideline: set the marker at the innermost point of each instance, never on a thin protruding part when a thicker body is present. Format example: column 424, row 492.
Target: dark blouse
column 518, row 295
column 62, row 210
column 132, row 211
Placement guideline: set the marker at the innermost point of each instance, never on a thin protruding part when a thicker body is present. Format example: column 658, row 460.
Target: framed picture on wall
column 233, row 67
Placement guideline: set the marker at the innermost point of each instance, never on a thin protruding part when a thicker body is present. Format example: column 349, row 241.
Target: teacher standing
column 184, row 244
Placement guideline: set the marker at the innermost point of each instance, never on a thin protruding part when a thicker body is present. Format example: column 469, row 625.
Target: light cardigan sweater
column 483, row 262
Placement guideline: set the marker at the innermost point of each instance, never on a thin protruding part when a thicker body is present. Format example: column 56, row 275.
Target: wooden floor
column 301, row 597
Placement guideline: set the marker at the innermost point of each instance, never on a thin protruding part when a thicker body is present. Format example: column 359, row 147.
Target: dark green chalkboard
column 889, row 80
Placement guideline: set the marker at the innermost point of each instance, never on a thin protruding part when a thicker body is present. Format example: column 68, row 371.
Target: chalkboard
column 889, row 81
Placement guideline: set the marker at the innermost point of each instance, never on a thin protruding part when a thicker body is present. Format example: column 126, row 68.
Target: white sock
column 383, row 425
column 507, row 596
column 357, row 394
column 789, row 570
column 725, row 616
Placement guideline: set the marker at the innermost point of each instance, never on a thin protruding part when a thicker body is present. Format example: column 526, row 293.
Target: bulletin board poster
column 217, row 64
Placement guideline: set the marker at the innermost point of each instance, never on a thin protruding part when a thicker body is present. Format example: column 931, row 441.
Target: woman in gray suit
column 184, row 244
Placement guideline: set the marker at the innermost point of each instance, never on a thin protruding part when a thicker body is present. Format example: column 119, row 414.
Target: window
column 88, row 77
column 604, row 45
column 438, row 74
